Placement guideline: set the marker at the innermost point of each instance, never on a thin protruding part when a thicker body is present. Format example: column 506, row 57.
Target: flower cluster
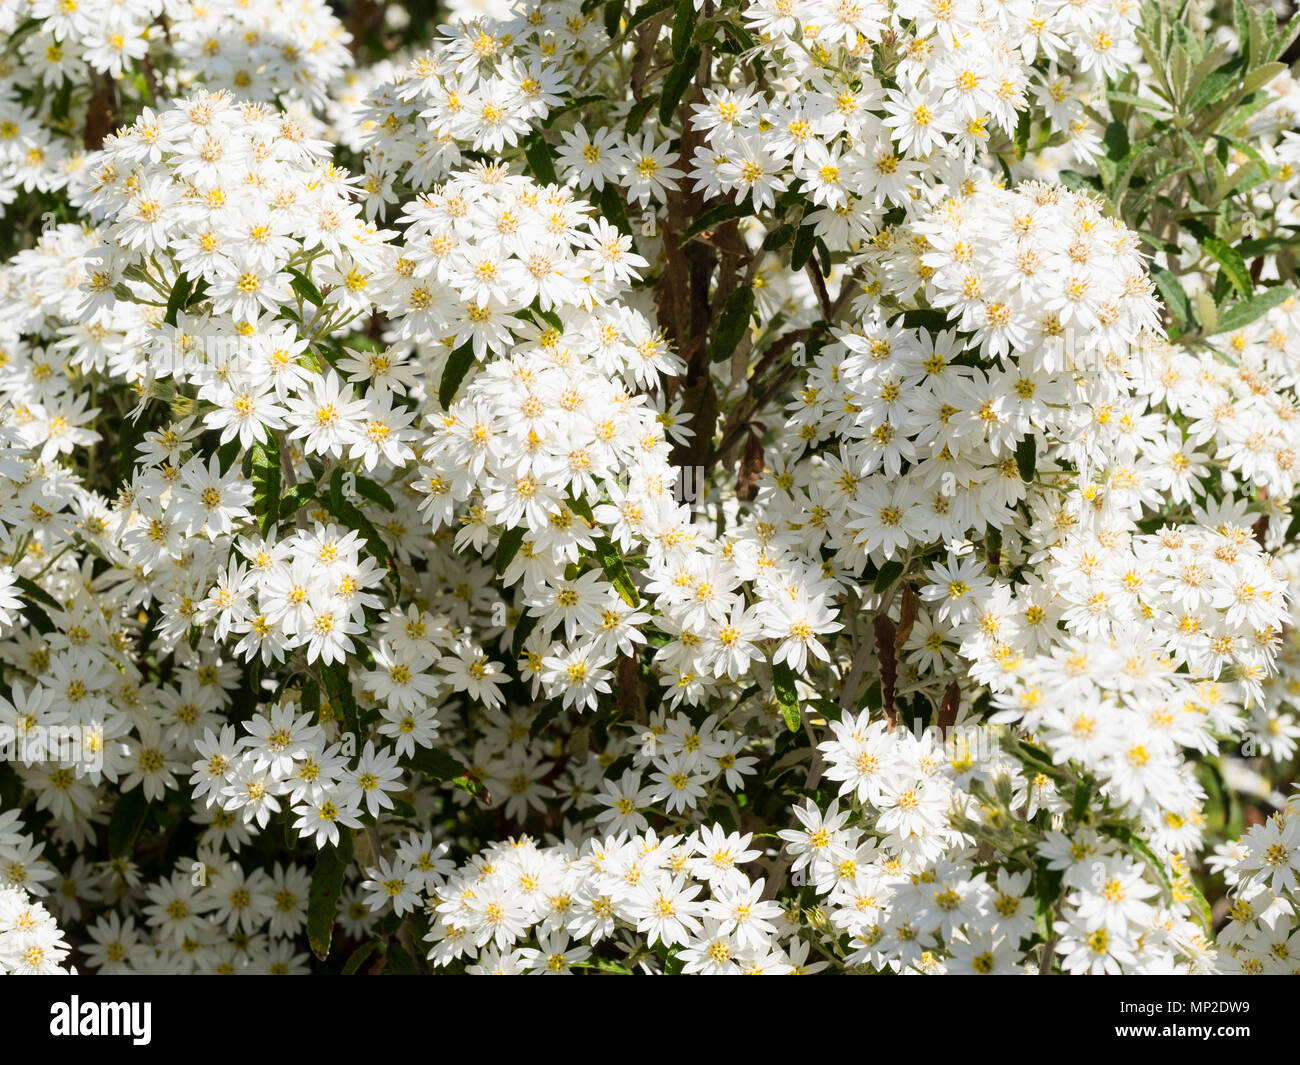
column 31, row 943
column 1260, row 870
column 688, row 892
column 770, row 487
column 61, row 65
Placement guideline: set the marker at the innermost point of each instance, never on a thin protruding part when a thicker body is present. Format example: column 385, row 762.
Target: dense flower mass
column 747, row 486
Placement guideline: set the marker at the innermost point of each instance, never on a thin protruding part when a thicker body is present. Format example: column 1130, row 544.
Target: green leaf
column 1241, row 19
column 1172, row 293
column 295, row 499
column 1155, row 60
column 571, row 105
column 1116, row 141
column 523, row 628
column 226, row 455
column 1077, row 182
column 1137, row 101
column 786, row 694
column 458, row 364
column 400, row 963
column 1200, row 904
column 611, row 206
column 616, row 572
column 62, row 101
column 636, row 116
column 1216, row 85
column 1255, row 37
column 436, row 764
column 715, row 216
column 744, row 42
column 323, row 895
column 302, row 285
column 1242, row 314
column 1252, row 103
column 1261, row 76
column 1027, row 457
column 613, row 15
column 926, row 318
column 40, row 620
column 1284, row 39
column 733, row 322
column 130, row 812
column 508, row 547
column 804, row 240
column 888, row 574
column 1231, row 263
column 35, row 591
column 1178, row 70
column 1152, row 187
column 1022, row 134
column 778, row 237
column 548, row 714
column 376, row 494
column 338, row 685
column 1047, row 889
column 684, row 19
column 264, row 472
column 823, row 255
column 1253, row 249
column 311, row 700
column 540, row 162
column 580, row 506
column 178, row 299
column 358, row 956
column 1082, row 793
column 678, row 81
column 648, row 11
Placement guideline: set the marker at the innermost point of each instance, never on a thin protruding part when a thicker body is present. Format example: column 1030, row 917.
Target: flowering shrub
column 766, row 486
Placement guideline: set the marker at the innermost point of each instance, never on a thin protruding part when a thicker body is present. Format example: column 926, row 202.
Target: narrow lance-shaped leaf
column 616, row 572
column 1027, row 458
column 716, row 216
column 677, row 82
column 508, row 547
column 302, row 285
column 733, row 322
column 684, row 19
column 613, row 16
column 889, row 572
column 179, row 297
column 458, row 364
column 1242, row 314
column 538, row 154
column 1173, row 294
column 264, row 470
column 804, row 241
column 786, row 694
column 1022, row 134
column 295, row 499
column 611, row 206
column 323, row 895
column 338, row 685
column 130, row 812
column 1231, row 263
column 376, row 494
